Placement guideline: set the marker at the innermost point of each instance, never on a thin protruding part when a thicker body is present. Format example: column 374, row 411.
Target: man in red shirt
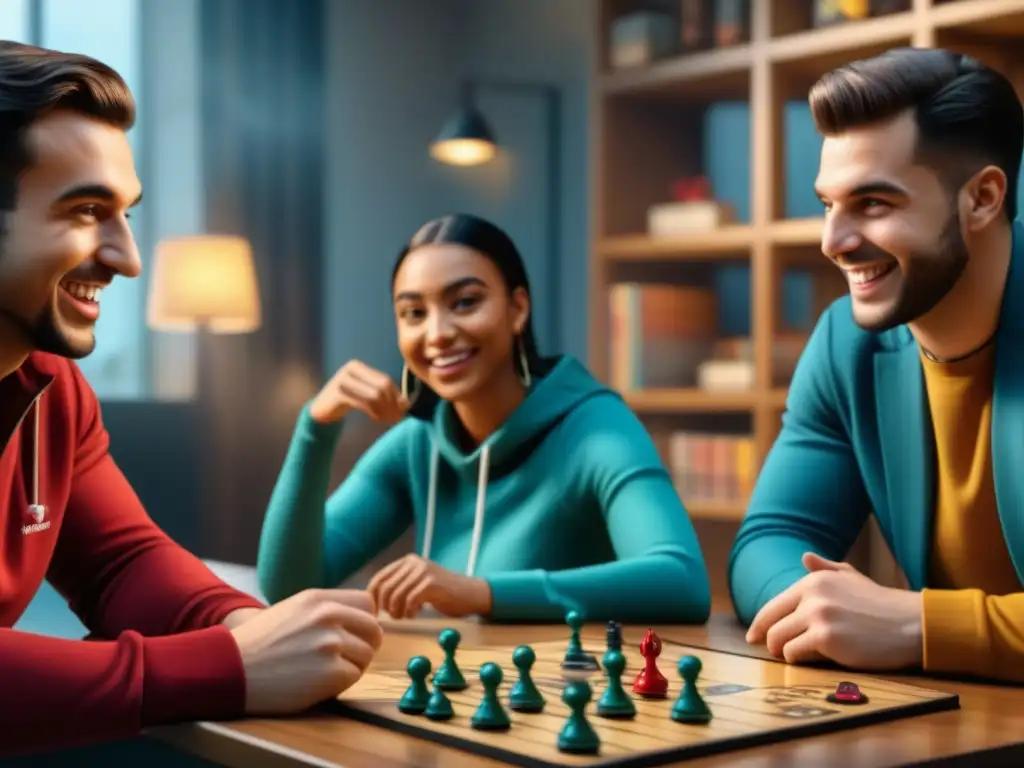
column 175, row 643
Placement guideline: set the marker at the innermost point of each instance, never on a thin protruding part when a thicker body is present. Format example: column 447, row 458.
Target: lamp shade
column 466, row 139
column 204, row 280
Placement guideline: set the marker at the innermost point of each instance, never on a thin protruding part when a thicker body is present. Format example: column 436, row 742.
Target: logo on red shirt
column 36, row 513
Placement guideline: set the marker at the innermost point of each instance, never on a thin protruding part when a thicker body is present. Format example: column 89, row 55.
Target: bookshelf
column 646, row 124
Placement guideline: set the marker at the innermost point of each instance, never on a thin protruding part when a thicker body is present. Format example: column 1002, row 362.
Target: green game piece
column 525, row 696
column 439, row 706
column 574, row 652
column 690, row 707
column 448, row 676
column 490, row 715
column 615, row 702
column 414, row 700
column 578, row 737
column 577, row 661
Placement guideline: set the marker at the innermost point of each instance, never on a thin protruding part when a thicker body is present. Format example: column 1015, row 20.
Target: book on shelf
column 710, row 468
column 660, row 333
column 688, row 217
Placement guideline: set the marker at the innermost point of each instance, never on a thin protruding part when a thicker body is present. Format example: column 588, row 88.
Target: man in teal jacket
column 908, row 402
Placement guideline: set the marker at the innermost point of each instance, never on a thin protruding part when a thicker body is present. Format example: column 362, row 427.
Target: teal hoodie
column 566, row 506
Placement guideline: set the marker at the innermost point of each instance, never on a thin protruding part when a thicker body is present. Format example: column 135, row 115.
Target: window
column 16, row 20
column 110, row 31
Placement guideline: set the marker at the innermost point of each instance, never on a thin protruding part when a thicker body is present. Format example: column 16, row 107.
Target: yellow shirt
column 973, row 609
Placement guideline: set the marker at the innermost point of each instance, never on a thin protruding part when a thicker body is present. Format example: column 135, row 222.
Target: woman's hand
column 404, row 586
column 357, row 385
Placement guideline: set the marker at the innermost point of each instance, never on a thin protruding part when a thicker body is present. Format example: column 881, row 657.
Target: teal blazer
column 857, row 439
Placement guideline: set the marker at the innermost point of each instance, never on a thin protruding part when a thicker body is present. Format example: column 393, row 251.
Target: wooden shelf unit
column 645, row 132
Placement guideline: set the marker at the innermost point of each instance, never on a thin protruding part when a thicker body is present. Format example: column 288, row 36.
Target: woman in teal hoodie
column 531, row 488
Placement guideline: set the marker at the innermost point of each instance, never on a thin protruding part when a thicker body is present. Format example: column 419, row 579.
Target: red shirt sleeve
column 167, row 659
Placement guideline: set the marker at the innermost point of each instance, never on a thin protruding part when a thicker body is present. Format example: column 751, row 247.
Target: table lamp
column 206, row 283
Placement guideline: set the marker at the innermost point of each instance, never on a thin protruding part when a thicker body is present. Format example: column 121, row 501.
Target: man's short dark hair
column 968, row 115
column 35, row 81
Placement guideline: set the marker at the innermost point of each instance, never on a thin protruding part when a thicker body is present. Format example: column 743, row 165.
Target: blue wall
column 727, row 163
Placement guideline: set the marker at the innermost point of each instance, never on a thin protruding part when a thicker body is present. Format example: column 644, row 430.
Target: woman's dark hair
column 490, row 241
column 968, row 115
column 34, row 81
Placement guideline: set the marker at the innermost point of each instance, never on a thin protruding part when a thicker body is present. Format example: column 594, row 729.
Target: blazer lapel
column 1008, row 408
column 907, row 442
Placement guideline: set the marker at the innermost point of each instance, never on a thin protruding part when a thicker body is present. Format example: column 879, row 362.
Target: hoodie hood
column 550, row 399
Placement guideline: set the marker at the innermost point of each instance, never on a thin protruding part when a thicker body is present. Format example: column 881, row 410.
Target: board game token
column 490, row 715
column 448, row 676
column 847, row 693
column 525, row 696
column 414, row 701
column 615, row 702
column 576, row 659
column 577, row 735
column 690, row 707
column 649, row 682
column 439, row 706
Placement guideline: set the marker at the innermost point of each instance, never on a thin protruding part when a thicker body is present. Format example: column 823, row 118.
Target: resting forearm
column 662, row 588
column 291, row 552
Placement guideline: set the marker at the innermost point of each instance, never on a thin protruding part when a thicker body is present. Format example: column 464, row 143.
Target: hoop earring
column 405, row 385
column 524, row 365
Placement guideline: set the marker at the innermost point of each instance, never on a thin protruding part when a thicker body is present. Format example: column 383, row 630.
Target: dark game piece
column 615, row 702
column 414, row 700
column 613, row 636
column 577, row 662
column 613, row 640
column 490, row 715
column 690, row 707
column 525, row 696
column 448, row 676
column 577, row 736
column 847, row 693
column 439, row 706
column 650, row 683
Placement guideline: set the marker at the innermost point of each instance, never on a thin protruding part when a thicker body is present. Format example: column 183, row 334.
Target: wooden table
column 987, row 730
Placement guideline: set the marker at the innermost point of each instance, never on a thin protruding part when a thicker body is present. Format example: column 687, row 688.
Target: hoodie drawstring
column 478, row 515
column 35, row 457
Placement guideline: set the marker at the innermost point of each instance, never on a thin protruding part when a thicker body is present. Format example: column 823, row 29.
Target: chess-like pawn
column 615, row 702
column 690, row 707
column 414, row 700
column 577, row 662
column 448, row 676
column 650, row 683
column 439, row 706
column 490, row 715
column 578, row 737
column 525, row 696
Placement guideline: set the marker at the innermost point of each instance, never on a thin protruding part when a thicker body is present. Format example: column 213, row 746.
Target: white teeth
column 446, row 360
column 81, row 291
column 861, row 275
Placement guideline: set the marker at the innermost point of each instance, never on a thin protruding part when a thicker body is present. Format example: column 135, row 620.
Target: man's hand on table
column 306, row 649
column 838, row 614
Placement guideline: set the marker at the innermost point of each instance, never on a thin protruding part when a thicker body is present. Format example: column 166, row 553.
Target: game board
column 752, row 701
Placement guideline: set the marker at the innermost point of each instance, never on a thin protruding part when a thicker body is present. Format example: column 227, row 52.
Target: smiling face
column 68, row 235
column 891, row 224
column 457, row 321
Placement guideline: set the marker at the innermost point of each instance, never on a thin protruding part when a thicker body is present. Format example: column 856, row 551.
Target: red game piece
column 650, row 682
column 847, row 693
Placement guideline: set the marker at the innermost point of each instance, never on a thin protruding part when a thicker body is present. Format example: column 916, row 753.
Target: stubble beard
column 926, row 278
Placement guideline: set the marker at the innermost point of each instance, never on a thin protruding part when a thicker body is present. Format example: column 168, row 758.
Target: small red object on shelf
column 691, row 189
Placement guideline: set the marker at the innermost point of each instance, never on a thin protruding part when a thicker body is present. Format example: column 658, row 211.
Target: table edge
column 227, row 746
